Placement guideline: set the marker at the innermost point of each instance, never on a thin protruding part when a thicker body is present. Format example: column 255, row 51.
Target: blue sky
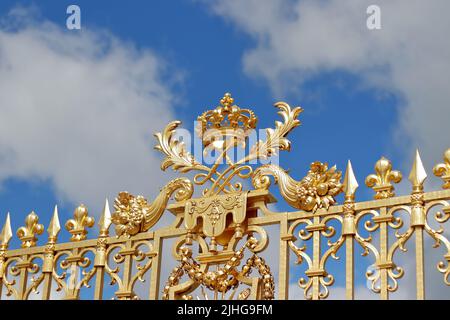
column 354, row 108
column 208, row 51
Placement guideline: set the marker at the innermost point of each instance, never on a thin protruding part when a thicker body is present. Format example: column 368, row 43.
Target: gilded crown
column 226, row 120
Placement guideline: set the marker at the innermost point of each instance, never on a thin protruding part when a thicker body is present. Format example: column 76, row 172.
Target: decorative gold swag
column 220, row 235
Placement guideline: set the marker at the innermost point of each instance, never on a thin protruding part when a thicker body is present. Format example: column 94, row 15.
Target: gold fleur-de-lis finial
column 227, row 100
column 350, row 184
column 27, row 234
column 380, row 182
column 54, row 227
column 105, row 220
column 443, row 170
column 6, row 234
column 77, row 226
column 418, row 174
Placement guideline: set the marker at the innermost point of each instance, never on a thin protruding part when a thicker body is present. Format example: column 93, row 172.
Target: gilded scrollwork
column 35, row 282
column 318, row 281
column 304, row 235
column 19, row 267
column 394, row 271
column 438, row 236
column 384, row 255
column 300, row 251
column 402, row 237
column 333, row 246
column 75, row 272
column 113, row 257
column 125, row 257
column 369, row 226
column 366, row 243
column 144, row 261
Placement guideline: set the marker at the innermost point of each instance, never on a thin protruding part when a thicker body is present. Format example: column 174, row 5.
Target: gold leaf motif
column 276, row 138
column 176, row 155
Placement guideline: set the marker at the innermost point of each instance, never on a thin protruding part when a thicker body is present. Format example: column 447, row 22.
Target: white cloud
column 298, row 40
column 78, row 109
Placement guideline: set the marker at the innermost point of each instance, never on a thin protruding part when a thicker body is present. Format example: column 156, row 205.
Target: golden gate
column 220, row 234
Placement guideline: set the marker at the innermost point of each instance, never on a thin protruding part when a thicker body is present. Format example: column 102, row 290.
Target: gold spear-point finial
column 350, row 184
column 417, row 175
column 380, row 182
column 443, row 170
column 6, row 234
column 54, row 226
column 77, row 226
column 105, row 220
column 27, row 234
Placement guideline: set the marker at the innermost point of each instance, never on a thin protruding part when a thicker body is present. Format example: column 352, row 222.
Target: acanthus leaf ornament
column 276, row 138
column 175, row 151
